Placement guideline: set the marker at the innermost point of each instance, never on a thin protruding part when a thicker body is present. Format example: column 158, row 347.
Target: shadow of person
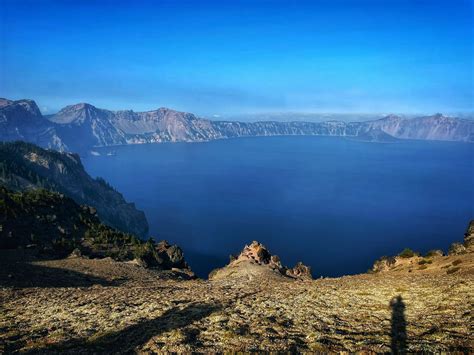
column 127, row 339
column 399, row 326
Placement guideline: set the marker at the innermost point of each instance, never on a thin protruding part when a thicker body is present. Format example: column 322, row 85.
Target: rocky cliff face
column 26, row 166
column 436, row 127
column 81, row 127
column 22, row 120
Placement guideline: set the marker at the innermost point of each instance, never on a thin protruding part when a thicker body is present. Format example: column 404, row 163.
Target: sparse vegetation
column 61, row 226
column 453, row 270
column 25, row 166
column 432, row 253
column 425, row 261
column 407, row 253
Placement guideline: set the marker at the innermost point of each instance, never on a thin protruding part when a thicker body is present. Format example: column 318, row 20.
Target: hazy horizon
column 242, row 57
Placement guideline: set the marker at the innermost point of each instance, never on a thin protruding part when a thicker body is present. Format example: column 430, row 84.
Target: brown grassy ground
column 81, row 305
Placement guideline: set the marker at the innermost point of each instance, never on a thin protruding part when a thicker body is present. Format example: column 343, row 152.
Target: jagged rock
column 457, row 249
column 172, row 256
column 256, row 259
column 385, row 263
column 300, row 271
column 76, row 253
column 257, row 253
column 434, row 253
column 469, row 237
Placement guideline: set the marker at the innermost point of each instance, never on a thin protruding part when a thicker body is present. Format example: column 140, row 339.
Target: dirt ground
column 81, row 305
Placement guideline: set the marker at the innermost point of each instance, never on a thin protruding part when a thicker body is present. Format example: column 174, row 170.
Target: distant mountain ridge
column 82, row 126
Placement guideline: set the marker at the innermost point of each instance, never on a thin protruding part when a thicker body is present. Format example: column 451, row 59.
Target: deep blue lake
column 332, row 203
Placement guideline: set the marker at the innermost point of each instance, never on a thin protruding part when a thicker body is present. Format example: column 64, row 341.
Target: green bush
column 407, row 253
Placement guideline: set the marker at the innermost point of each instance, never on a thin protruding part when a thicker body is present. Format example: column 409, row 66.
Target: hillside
column 26, row 166
column 81, row 127
column 51, row 225
column 89, row 305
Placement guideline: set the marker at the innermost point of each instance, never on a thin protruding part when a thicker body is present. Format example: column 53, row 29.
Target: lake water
column 332, row 203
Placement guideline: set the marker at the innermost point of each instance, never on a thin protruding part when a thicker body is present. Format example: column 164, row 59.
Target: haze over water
column 332, row 203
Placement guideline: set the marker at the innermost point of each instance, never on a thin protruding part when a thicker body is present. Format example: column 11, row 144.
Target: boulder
column 457, row 249
column 434, row 253
column 300, row 272
column 172, row 256
column 385, row 263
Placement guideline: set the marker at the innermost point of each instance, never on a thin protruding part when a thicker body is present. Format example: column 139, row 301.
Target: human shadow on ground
column 398, row 326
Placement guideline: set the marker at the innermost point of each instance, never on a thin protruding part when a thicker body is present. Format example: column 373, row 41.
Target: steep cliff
column 22, row 120
column 81, row 127
column 26, row 166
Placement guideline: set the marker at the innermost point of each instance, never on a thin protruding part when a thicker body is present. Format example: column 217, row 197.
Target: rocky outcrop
column 385, row 263
column 300, row 271
column 256, row 259
column 26, row 166
column 457, row 249
column 469, row 237
column 468, row 245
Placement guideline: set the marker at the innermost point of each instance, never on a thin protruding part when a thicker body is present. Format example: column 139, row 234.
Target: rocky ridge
column 82, row 126
column 254, row 259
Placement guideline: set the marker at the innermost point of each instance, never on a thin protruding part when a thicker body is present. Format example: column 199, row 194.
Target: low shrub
column 425, row 261
column 453, row 270
column 407, row 253
column 432, row 253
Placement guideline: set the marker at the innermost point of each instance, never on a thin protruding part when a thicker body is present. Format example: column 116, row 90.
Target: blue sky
column 231, row 57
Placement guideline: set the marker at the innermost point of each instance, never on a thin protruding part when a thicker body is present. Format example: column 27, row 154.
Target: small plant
column 407, row 253
column 432, row 253
column 425, row 261
column 422, row 267
column 453, row 270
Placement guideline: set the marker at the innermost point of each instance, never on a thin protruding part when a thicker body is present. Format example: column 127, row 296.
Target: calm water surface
column 332, row 203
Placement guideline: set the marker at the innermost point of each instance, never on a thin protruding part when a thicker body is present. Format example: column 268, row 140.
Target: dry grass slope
column 81, row 305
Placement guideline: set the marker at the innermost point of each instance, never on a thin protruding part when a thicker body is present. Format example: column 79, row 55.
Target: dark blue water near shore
column 332, row 203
